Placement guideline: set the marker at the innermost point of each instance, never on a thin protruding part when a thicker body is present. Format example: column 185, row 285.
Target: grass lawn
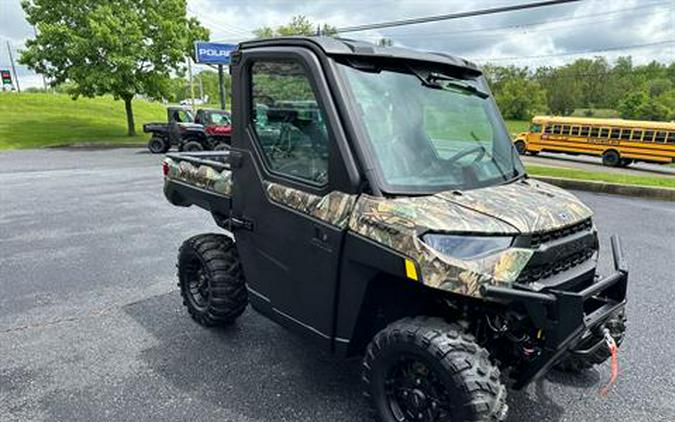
column 664, row 182
column 34, row 120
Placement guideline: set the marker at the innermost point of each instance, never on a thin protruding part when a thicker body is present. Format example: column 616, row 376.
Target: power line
column 437, row 18
column 572, row 53
column 482, row 31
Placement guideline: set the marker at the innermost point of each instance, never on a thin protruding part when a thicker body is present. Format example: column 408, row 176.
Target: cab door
column 292, row 192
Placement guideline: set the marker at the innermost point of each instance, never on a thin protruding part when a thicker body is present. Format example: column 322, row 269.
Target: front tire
column 158, row 145
column 520, row 147
column 211, row 279
column 424, row 369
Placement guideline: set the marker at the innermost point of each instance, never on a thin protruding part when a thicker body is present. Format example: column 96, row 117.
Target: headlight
column 466, row 247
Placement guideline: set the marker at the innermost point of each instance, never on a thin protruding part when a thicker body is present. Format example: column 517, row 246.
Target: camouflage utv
column 375, row 202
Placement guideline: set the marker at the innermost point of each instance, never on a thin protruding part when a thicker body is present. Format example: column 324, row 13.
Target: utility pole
column 11, row 60
column 221, row 87
column 192, row 85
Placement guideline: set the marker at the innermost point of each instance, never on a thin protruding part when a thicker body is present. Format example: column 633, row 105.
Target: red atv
column 217, row 127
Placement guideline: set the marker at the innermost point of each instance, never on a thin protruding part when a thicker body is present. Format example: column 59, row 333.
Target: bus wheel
column 611, row 158
column 520, row 147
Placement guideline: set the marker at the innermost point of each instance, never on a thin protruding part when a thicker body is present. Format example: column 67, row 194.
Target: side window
column 615, row 133
column 594, row 132
column 660, row 137
column 671, row 137
column 649, row 136
column 556, row 129
column 289, row 124
column 548, row 128
column 566, row 129
column 575, row 130
column 625, row 134
column 584, row 130
column 637, row 135
column 604, row 132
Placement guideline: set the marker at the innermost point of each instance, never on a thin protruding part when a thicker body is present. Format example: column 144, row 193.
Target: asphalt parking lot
column 92, row 329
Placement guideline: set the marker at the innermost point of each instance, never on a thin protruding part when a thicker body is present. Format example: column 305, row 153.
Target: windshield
column 430, row 132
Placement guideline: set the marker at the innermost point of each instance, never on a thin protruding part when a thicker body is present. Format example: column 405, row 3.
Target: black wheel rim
column 197, row 280
column 415, row 393
column 156, row 145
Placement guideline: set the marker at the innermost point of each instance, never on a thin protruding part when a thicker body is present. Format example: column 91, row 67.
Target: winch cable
column 614, row 362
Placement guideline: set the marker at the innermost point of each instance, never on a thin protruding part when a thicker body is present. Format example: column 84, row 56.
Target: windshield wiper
column 431, row 80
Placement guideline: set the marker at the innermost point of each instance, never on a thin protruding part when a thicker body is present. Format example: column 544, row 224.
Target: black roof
column 347, row 47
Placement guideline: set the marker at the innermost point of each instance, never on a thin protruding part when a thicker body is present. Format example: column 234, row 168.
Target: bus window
column 548, row 129
column 604, row 132
column 556, row 129
column 594, row 132
column 637, row 135
column 566, row 129
column 584, row 131
column 614, row 134
column 649, row 136
column 625, row 134
column 671, row 138
column 535, row 128
column 575, row 130
column 660, row 137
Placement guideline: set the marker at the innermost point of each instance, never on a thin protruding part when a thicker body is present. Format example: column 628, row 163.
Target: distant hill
column 34, row 120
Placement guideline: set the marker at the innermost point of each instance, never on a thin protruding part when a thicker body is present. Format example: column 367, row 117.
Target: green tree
column 520, row 99
column 119, row 47
column 651, row 109
column 299, row 25
column 628, row 108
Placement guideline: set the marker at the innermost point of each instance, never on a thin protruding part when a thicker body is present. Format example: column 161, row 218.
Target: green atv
column 375, row 203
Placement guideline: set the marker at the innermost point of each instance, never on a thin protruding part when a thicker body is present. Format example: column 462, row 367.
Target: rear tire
column 211, row 279
column 611, row 158
column 616, row 324
column 158, row 145
column 222, row 147
column 193, row 146
column 520, row 147
column 424, row 369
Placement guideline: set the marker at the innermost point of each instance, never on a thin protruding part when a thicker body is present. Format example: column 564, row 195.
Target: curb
column 96, row 145
column 666, row 194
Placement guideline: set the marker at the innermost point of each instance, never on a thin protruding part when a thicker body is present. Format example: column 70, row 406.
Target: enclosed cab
column 375, row 203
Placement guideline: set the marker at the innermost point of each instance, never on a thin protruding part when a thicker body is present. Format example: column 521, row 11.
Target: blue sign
column 213, row 52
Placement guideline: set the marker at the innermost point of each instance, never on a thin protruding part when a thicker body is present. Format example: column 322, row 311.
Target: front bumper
column 566, row 317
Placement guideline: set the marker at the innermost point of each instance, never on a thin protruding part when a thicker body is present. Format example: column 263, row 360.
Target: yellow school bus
column 619, row 142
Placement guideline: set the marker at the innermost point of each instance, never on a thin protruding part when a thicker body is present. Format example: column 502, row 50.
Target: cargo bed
column 203, row 179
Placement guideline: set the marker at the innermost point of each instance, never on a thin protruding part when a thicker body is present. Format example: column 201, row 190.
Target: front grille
column 543, row 237
column 533, row 273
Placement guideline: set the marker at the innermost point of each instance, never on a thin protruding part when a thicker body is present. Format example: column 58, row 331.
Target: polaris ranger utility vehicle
column 390, row 217
column 209, row 129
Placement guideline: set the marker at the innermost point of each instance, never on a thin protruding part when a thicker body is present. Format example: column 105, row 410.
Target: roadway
column 92, row 328
column 588, row 163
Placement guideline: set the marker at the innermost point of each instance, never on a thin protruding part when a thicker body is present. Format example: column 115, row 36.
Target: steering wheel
column 478, row 150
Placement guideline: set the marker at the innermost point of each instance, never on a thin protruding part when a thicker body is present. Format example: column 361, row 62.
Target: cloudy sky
column 644, row 29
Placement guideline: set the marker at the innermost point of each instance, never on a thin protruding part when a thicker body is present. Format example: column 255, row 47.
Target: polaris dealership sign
column 213, row 52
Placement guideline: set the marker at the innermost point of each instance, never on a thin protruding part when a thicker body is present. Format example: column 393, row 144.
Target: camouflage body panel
column 521, row 207
column 333, row 208
column 202, row 176
column 528, row 205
